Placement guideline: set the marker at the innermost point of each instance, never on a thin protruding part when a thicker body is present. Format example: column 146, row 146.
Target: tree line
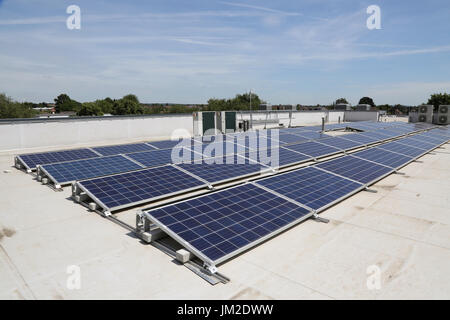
column 130, row 105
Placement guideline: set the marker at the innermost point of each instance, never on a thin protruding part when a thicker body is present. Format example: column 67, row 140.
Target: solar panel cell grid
column 122, row 149
column 66, row 172
column 313, row 149
column 219, row 169
column 356, row 169
column 404, row 149
column 226, row 222
column 311, row 187
column 139, row 186
column 277, row 157
column 384, row 157
column 340, row 143
column 32, row 160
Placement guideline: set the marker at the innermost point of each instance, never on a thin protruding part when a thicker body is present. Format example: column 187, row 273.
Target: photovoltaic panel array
column 311, row 187
column 67, row 172
column 164, row 156
column 383, row 157
column 313, row 149
column 404, row 149
column 278, row 157
column 340, row 143
column 117, row 191
column 32, row 160
column 222, row 169
column 220, row 225
column 122, row 149
column 356, row 169
column 357, row 137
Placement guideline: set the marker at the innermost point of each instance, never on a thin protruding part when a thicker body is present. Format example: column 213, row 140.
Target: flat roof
column 403, row 230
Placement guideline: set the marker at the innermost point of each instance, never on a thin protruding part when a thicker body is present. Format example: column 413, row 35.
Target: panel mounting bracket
column 210, row 268
column 316, row 218
column 370, row 190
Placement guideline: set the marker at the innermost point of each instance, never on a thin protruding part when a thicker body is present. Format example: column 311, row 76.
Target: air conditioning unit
column 443, row 116
column 425, row 113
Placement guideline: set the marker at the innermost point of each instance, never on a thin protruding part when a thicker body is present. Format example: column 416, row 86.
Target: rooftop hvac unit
column 443, row 116
column 425, row 113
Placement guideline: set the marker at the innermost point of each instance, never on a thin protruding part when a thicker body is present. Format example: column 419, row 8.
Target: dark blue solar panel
column 122, row 149
column 376, row 135
column 356, row 169
column 165, row 144
column 277, row 157
column 32, row 160
column 309, row 135
column 357, row 137
column 218, row 169
column 432, row 137
column 340, row 143
column 311, row 187
column 313, row 149
column 140, row 186
column 66, row 172
column 258, row 140
column 286, row 138
column 419, row 142
column 404, row 149
column 384, row 157
column 222, row 224
column 164, row 156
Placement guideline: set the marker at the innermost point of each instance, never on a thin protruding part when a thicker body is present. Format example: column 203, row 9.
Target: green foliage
column 129, row 104
column 239, row 102
column 90, row 109
column 437, row 99
column 13, row 109
column 341, row 100
column 64, row 103
column 367, row 100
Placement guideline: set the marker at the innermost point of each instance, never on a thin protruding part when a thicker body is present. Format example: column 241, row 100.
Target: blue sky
column 297, row 51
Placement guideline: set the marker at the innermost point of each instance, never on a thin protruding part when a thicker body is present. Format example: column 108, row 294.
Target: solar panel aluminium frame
column 212, row 263
column 362, row 187
column 78, row 186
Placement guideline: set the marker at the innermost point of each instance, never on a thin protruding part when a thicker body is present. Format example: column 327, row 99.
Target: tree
column 239, row 102
column 129, row 104
column 341, row 100
column 90, row 109
column 437, row 99
column 13, row 109
column 367, row 100
column 64, row 103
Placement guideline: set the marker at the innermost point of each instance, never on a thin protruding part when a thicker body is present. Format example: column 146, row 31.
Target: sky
column 288, row 52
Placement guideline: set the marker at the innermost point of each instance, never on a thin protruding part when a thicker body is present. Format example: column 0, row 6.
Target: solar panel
column 432, row 136
column 32, row 160
column 376, row 135
column 163, row 156
column 384, row 157
column 286, row 138
column 356, row 169
column 221, row 169
column 313, row 149
column 122, row 149
column 340, row 143
column 420, row 142
column 277, row 157
column 165, row 144
column 218, row 226
column 357, row 137
column 219, row 149
column 131, row 188
column 404, row 149
column 311, row 187
column 67, row 172
column 309, row 135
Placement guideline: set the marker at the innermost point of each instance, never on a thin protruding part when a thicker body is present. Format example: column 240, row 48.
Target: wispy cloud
column 248, row 6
